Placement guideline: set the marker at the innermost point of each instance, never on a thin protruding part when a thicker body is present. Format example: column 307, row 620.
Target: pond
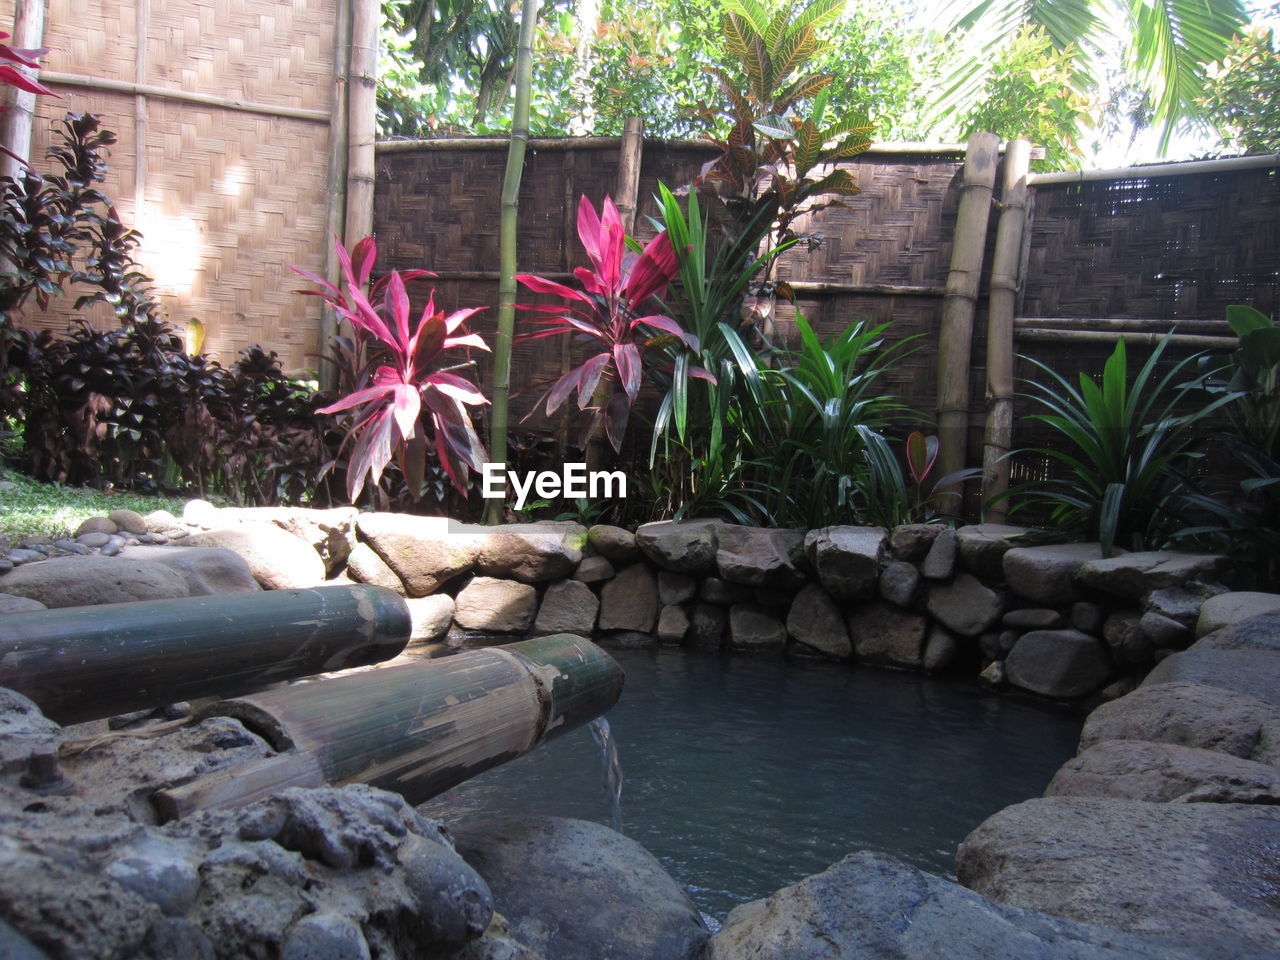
column 745, row 774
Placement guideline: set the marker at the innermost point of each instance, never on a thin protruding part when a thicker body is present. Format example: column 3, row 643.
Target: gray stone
column 1252, row 672
column 95, row 525
column 673, row 624
column 707, row 625
column 325, row 936
column 173, row 937
column 816, row 621
column 1228, row 608
column 940, row 564
column 753, row 628
column 686, row 546
column 940, row 649
column 1164, row 773
column 1121, row 630
column 425, row 552
column 1197, row 875
column 1032, row 618
column 490, row 605
column 160, row 872
column 1046, row 575
column 24, row 732
column 200, row 513
column 496, row 943
column 207, row 571
column 993, row 675
column 614, row 543
column 715, row 590
column 5, row 565
column 883, row 634
column 675, row 588
column 161, row 521
column 1189, row 714
column 1088, row 617
column 574, row 890
column 22, row 555
column 983, row 546
column 364, row 565
column 71, row 546
column 1058, row 663
column 1007, row 639
column 430, row 617
column 899, row 583
column 630, row 600
column 1163, row 631
column 871, row 906
column 965, row 606
column 85, row 581
column 1134, row 575
column 279, row 560
column 331, row 533
column 94, row 541
column 1182, row 603
column 111, row 548
column 12, row 604
column 129, row 521
column 529, row 552
column 14, row 946
column 847, row 559
column 568, row 606
column 911, row 541
column 1261, row 632
column 594, row 570
column 761, row 556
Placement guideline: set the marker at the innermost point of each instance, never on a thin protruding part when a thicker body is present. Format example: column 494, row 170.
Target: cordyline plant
column 614, row 293
column 13, row 77
column 411, row 402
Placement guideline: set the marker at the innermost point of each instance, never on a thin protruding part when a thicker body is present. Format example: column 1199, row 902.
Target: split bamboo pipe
column 86, row 663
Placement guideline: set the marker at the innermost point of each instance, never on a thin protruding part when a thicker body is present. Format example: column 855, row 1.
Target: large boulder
column 884, row 634
column 761, row 556
column 568, row 606
column 430, row 617
column 940, row 563
column 614, row 543
column 490, row 605
column 1164, row 773
column 965, row 605
column 530, row 552
column 331, row 533
column 870, row 906
column 1261, row 632
column 279, row 560
column 86, row 581
column 847, row 559
column 575, row 890
column 630, row 600
column 364, row 565
column 1228, row 608
column 816, row 621
column 1046, row 575
column 207, row 571
column 1058, row 663
column 1198, row 875
column 686, row 546
column 424, row 552
column 1252, row 672
column 753, row 628
column 910, row 542
column 1132, row 576
column 982, row 547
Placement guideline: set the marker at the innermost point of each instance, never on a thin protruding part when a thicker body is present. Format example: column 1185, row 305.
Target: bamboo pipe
column 86, row 663
column 955, row 336
column 157, row 92
column 362, row 113
column 16, row 122
column 416, row 729
column 629, row 161
column 998, row 440
column 335, row 186
column 1132, row 337
column 1125, row 323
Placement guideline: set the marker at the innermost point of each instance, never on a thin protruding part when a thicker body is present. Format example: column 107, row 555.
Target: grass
column 31, row 509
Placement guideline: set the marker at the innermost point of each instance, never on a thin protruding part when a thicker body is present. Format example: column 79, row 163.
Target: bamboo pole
column 1125, row 323
column 629, row 161
column 336, row 183
column 15, row 123
column 142, row 26
column 955, row 336
column 1130, row 337
column 1179, row 169
column 362, row 115
column 508, row 238
column 1005, row 281
column 943, row 151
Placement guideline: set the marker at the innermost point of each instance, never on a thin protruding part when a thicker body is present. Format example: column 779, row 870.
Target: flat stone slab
column 689, row 546
column 1165, row 773
column 761, row 556
column 1134, row 575
column 1261, row 632
column 871, row 906
column 86, row 581
column 1199, row 875
column 1252, row 672
column 847, row 559
column 1058, row 663
column 1046, row 575
column 1228, row 608
column 982, row 547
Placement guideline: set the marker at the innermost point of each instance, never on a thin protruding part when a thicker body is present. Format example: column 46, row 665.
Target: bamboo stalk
column 955, row 335
column 1124, row 323
column 142, row 26
column 335, row 183
column 629, row 171
column 362, row 112
column 886, row 289
column 889, row 147
column 1130, row 337
column 1005, row 281
column 508, row 237
column 16, row 121
column 1180, row 169
column 52, row 78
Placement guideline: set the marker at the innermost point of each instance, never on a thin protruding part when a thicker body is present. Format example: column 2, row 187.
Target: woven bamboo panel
column 91, row 38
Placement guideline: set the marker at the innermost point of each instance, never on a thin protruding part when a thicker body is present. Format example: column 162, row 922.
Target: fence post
column 628, row 189
column 1005, row 281
column 362, row 118
column 28, row 33
column 336, row 192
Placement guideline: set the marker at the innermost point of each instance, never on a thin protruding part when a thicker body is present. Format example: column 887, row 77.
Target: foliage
column 411, row 403
column 611, row 318
column 1255, row 378
column 1242, row 97
column 1124, row 450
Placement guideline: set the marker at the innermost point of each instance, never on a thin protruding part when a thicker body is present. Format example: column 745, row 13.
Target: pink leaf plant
column 608, row 313
column 411, row 404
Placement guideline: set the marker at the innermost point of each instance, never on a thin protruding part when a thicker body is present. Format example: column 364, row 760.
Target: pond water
column 745, row 774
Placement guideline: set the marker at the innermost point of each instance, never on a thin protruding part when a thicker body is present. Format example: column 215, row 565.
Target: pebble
column 22, row 555
column 112, row 548
column 94, row 539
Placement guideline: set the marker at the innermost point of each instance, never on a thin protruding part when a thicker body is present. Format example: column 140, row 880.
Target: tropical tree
column 1242, row 99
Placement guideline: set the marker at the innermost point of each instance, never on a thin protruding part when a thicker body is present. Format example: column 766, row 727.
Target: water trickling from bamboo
column 610, row 769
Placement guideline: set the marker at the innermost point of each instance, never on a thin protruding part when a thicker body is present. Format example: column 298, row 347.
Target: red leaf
column 539, row 285
column 397, row 304
column 405, row 406
column 355, row 399
column 667, row 324
column 653, row 270
column 616, row 416
column 590, row 377
column 457, row 387
column 362, row 256
column 627, row 359
column 560, row 391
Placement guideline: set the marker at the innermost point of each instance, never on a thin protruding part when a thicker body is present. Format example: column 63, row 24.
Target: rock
column 910, row 542
column 965, row 606
column 816, row 621
column 1252, row 672
column 325, row 936
column 495, row 944
column 1046, row 575
column 331, row 533
column 1162, row 631
column 614, row 543
column 490, row 605
column 568, row 606
column 279, row 560
column 1164, row 773
column 983, row 546
column 630, row 600
column 529, row 552
column 24, row 732
column 761, row 556
column 130, row 521
column 940, row 649
column 593, row 570
column 673, row 624
column 112, row 547
column 753, row 628
column 1181, row 603
column 95, row 525
column 20, row 556
column 161, row 521
column 1088, row 617
column 1032, row 618
column 847, row 559
column 93, row 540
column 200, row 513
column 872, row 906
column 365, row 566
column 14, row 946
column 1261, row 632
column 1201, row 876
column 12, row 604
column 1058, row 663
column 207, row 571
column 1120, row 630
column 940, row 563
column 1134, row 575
column 686, row 546
column 430, row 616
column 71, row 546
column 675, row 588
column 1228, row 608
column 162, row 873
column 425, row 552
column 886, row 635
column 899, row 583
column 85, row 581
column 715, row 590
column 1189, row 714
column 993, row 675
column 575, row 890
column 707, row 626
